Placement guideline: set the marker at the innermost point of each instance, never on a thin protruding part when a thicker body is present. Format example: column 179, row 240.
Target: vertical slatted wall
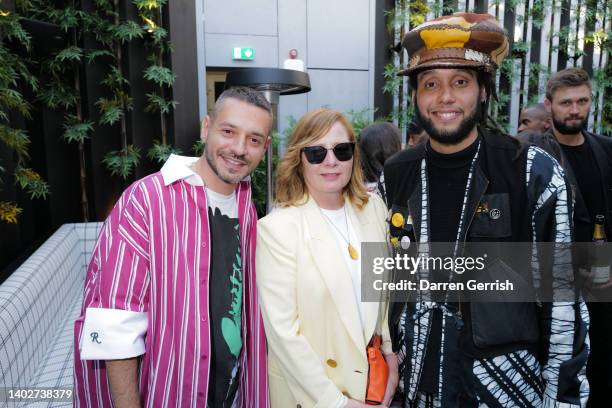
column 545, row 36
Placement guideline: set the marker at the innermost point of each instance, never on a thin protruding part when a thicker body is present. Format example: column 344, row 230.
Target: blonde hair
column 290, row 185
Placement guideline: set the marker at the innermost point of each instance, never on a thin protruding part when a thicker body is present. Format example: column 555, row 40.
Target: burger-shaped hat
column 460, row 40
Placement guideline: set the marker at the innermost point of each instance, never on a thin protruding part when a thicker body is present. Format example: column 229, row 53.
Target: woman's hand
column 392, row 363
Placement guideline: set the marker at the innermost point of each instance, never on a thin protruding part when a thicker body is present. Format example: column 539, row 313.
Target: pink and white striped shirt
column 150, row 266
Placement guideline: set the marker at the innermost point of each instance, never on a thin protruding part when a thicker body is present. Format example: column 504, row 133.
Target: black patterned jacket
column 519, row 354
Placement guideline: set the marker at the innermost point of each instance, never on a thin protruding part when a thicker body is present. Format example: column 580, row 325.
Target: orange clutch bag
column 378, row 372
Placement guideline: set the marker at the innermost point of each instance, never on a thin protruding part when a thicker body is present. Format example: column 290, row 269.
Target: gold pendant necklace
column 353, row 253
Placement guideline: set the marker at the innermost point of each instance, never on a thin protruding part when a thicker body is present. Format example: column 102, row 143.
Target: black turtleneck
column 447, row 176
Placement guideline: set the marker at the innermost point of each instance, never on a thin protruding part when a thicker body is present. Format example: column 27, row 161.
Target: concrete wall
column 335, row 39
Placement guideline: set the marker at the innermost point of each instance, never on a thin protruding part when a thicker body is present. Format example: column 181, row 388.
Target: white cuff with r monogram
column 111, row 334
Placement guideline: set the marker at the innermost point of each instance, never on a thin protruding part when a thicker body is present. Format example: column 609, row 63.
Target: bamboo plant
column 159, row 101
column 113, row 33
column 15, row 73
column 62, row 74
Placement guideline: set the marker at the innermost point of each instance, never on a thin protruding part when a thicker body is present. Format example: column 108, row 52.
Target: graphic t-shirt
column 225, row 299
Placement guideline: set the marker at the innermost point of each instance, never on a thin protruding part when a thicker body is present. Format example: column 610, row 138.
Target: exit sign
column 243, row 54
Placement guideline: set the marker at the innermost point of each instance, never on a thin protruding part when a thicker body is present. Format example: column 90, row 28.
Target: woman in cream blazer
column 308, row 271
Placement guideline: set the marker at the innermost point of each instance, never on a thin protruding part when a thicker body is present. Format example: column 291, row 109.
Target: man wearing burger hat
column 471, row 183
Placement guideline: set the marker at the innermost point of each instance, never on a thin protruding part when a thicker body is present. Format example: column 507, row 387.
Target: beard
column 569, row 129
column 452, row 136
column 226, row 176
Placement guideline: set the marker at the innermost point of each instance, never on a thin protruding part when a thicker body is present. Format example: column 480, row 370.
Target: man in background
column 534, row 117
column 587, row 159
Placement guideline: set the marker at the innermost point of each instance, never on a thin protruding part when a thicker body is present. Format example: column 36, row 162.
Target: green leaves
column 259, row 178
column 76, row 131
column 392, row 80
column 159, row 35
column 291, row 124
column 12, row 99
column 439, row 9
column 127, row 31
column 16, row 139
column 72, row 54
column 115, row 79
column 95, row 54
column 122, row 162
column 162, row 76
column 519, row 49
column 510, row 69
column 197, row 148
column 14, row 72
column 149, row 4
column 535, row 70
column 160, row 152
column 537, row 13
column 30, row 181
column 159, row 104
column 360, row 118
column 57, row 94
column 601, row 80
column 64, row 60
column 10, row 29
column 598, row 37
column 158, row 45
column 59, row 76
column 13, row 68
column 112, row 110
column 67, row 18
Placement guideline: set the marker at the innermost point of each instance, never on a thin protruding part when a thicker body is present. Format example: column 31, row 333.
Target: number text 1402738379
column 50, row 394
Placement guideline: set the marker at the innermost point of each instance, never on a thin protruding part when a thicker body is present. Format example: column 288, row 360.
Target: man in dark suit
column 587, row 159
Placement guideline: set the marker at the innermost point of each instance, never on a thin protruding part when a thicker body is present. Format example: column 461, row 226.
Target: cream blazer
column 316, row 345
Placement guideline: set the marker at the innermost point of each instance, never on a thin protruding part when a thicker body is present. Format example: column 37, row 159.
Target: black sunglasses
column 342, row 151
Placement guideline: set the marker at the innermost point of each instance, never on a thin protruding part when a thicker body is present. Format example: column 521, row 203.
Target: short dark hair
column 377, row 143
column 244, row 94
column 539, row 107
column 569, row 77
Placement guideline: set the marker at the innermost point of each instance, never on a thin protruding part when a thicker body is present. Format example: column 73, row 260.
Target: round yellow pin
column 397, row 220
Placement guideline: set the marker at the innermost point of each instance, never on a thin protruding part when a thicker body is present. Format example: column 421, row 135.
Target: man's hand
column 123, row 381
column 393, row 380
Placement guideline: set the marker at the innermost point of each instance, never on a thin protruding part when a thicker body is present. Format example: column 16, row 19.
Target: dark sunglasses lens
column 315, row 154
column 344, row 151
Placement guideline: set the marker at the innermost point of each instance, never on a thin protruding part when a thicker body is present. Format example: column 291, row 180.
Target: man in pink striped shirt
column 170, row 316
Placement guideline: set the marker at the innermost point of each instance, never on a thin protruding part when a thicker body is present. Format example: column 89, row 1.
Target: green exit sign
column 243, row 54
